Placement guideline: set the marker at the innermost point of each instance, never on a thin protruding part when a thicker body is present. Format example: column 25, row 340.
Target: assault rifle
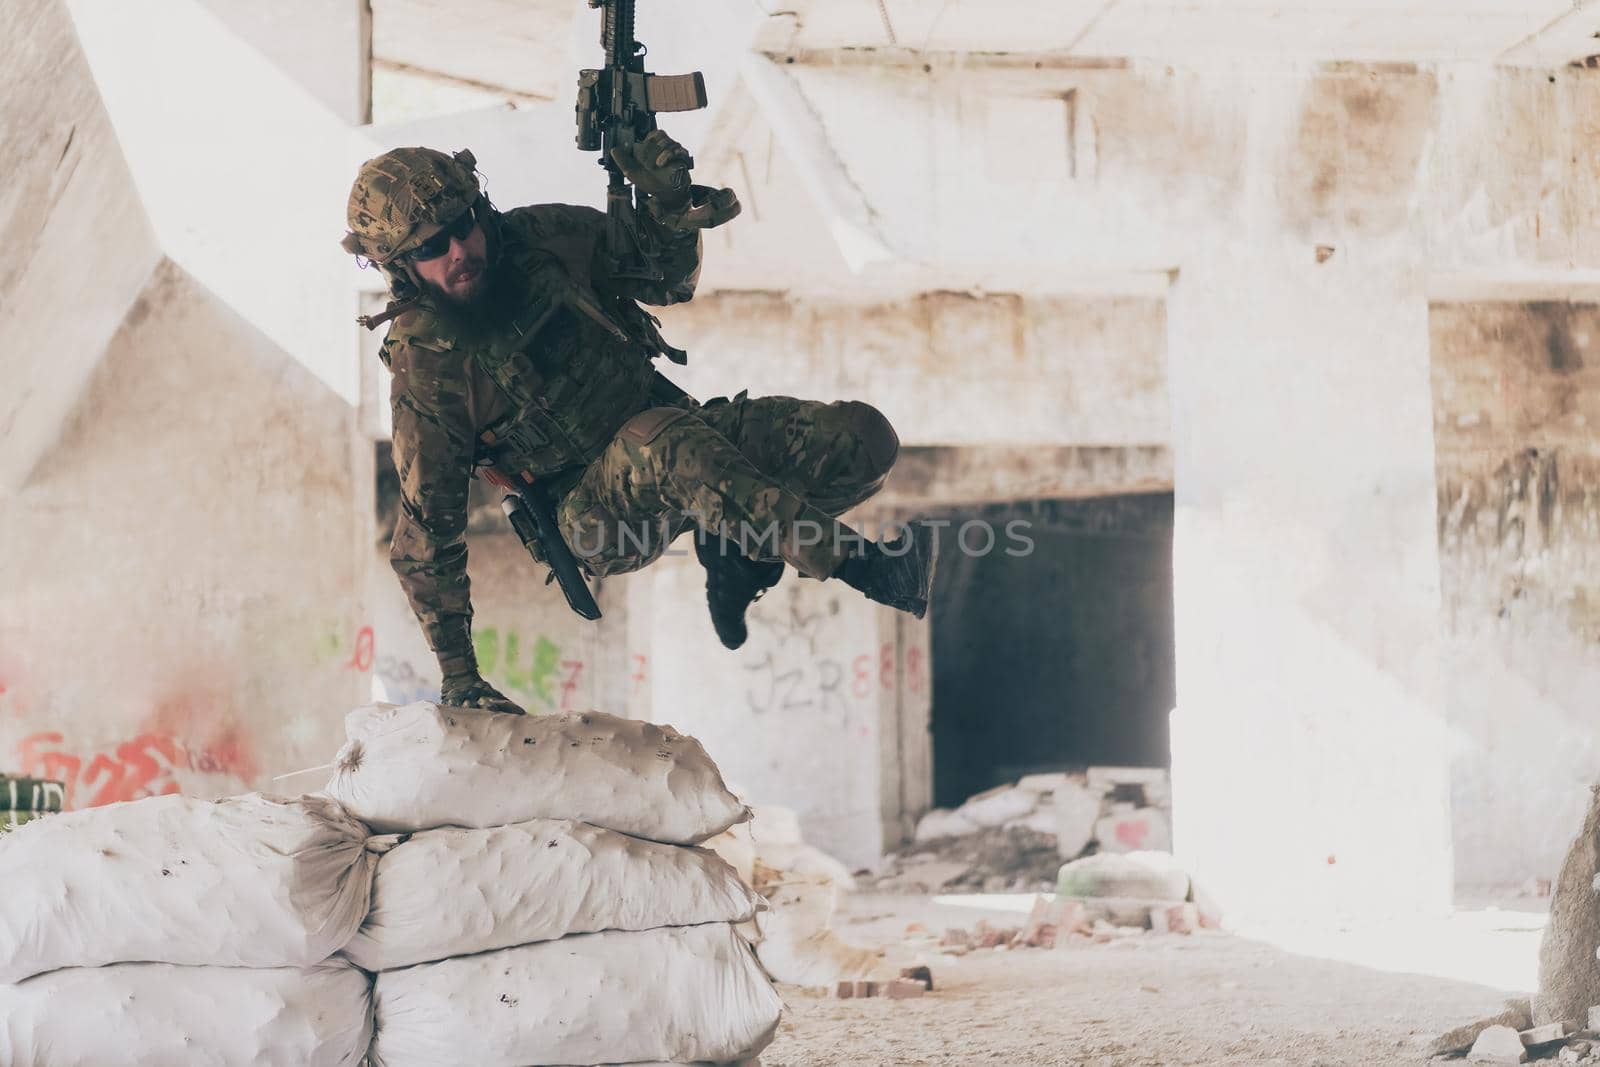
column 617, row 107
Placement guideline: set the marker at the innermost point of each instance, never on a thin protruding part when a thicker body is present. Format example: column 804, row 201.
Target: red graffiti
column 141, row 767
column 861, row 675
column 361, row 657
column 916, row 681
column 569, row 683
column 640, row 675
column 886, row 665
column 1132, row 832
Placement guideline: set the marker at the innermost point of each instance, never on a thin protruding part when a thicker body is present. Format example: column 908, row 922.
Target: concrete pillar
column 1309, row 759
column 825, row 709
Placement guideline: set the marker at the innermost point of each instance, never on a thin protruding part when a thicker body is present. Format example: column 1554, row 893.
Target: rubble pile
column 1013, row 838
column 533, row 899
column 1562, row 1023
column 1511, row 1038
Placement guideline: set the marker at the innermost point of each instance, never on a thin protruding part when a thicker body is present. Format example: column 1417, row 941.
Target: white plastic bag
column 423, row 766
column 454, row 892
column 681, row 995
column 249, row 881
column 160, row 1015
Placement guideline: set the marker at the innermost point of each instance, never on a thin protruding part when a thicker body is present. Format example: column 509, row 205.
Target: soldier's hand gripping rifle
column 617, row 108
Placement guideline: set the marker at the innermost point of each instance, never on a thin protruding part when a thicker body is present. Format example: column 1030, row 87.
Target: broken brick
column 904, row 988
column 846, row 990
column 866, row 989
column 1543, row 1035
column 956, row 937
column 919, row 974
column 1175, row 919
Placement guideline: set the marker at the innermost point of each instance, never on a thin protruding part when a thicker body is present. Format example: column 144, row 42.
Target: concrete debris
column 1149, row 875
column 1011, row 859
column 1115, row 808
column 941, row 823
column 1498, row 1044
column 1042, row 784
column 1175, row 919
column 996, row 807
column 920, row 974
column 1578, row 1052
column 904, row 989
column 1518, row 1015
column 1052, row 920
column 1076, row 809
column 1543, row 1035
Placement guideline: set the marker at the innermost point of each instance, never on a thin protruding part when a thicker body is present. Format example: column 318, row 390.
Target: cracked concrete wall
column 1517, row 397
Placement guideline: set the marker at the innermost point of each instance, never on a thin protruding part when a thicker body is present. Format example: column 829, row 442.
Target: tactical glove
column 471, row 691
column 657, row 165
column 463, row 686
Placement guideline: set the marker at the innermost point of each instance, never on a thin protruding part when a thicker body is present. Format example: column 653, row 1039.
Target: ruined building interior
column 1272, row 323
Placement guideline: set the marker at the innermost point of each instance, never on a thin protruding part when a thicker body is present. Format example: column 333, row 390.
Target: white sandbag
column 680, row 994
column 251, row 881
column 424, row 765
column 454, row 892
column 161, row 1015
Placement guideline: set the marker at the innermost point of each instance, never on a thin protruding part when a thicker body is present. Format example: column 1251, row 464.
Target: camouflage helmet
column 402, row 197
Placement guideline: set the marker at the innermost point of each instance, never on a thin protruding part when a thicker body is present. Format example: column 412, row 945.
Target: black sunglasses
column 439, row 243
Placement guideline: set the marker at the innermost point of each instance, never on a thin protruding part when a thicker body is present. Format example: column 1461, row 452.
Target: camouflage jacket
column 540, row 381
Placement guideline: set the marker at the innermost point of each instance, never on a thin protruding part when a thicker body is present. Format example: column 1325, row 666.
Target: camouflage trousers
column 772, row 473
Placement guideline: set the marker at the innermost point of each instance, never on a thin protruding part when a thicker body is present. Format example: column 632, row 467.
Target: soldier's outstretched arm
column 433, row 451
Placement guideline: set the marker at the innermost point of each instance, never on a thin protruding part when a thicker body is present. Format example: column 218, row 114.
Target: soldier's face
column 461, row 273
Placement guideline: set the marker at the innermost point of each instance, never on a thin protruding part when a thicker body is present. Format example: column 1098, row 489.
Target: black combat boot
column 733, row 583
column 898, row 573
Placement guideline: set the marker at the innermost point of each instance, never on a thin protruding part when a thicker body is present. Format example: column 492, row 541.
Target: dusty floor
column 1210, row 999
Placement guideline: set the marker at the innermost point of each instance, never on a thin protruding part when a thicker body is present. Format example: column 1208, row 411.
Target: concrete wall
column 1515, row 394
column 181, row 591
column 947, row 368
column 69, row 201
column 825, row 709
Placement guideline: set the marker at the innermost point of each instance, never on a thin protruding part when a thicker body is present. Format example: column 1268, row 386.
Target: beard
column 469, row 303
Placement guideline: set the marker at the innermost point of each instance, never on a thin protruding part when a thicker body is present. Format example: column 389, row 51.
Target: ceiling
column 523, row 51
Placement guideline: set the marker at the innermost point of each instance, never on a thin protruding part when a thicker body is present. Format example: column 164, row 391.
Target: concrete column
column 1309, row 758
column 825, row 709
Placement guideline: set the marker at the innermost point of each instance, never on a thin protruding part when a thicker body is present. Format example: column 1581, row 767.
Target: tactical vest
column 572, row 374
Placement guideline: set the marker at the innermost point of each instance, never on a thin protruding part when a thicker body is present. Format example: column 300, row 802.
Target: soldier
column 514, row 346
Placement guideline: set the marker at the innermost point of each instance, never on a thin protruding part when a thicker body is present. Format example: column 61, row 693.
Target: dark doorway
column 1058, row 658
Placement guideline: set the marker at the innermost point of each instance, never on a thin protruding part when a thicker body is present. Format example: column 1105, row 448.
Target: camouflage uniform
column 631, row 460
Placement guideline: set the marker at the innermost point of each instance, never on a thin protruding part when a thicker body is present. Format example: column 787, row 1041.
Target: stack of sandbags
column 538, row 899
column 22, row 800
column 173, row 931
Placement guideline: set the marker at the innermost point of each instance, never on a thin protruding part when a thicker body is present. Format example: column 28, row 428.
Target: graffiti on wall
column 533, row 670
column 402, row 683
column 144, row 766
column 791, row 676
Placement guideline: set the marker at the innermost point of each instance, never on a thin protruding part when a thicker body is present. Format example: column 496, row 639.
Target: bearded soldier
column 517, row 344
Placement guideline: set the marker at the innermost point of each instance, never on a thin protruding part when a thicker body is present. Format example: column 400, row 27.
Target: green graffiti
column 500, row 660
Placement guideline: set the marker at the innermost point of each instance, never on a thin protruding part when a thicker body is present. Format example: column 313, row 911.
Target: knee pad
column 877, row 436
column 646, row 426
